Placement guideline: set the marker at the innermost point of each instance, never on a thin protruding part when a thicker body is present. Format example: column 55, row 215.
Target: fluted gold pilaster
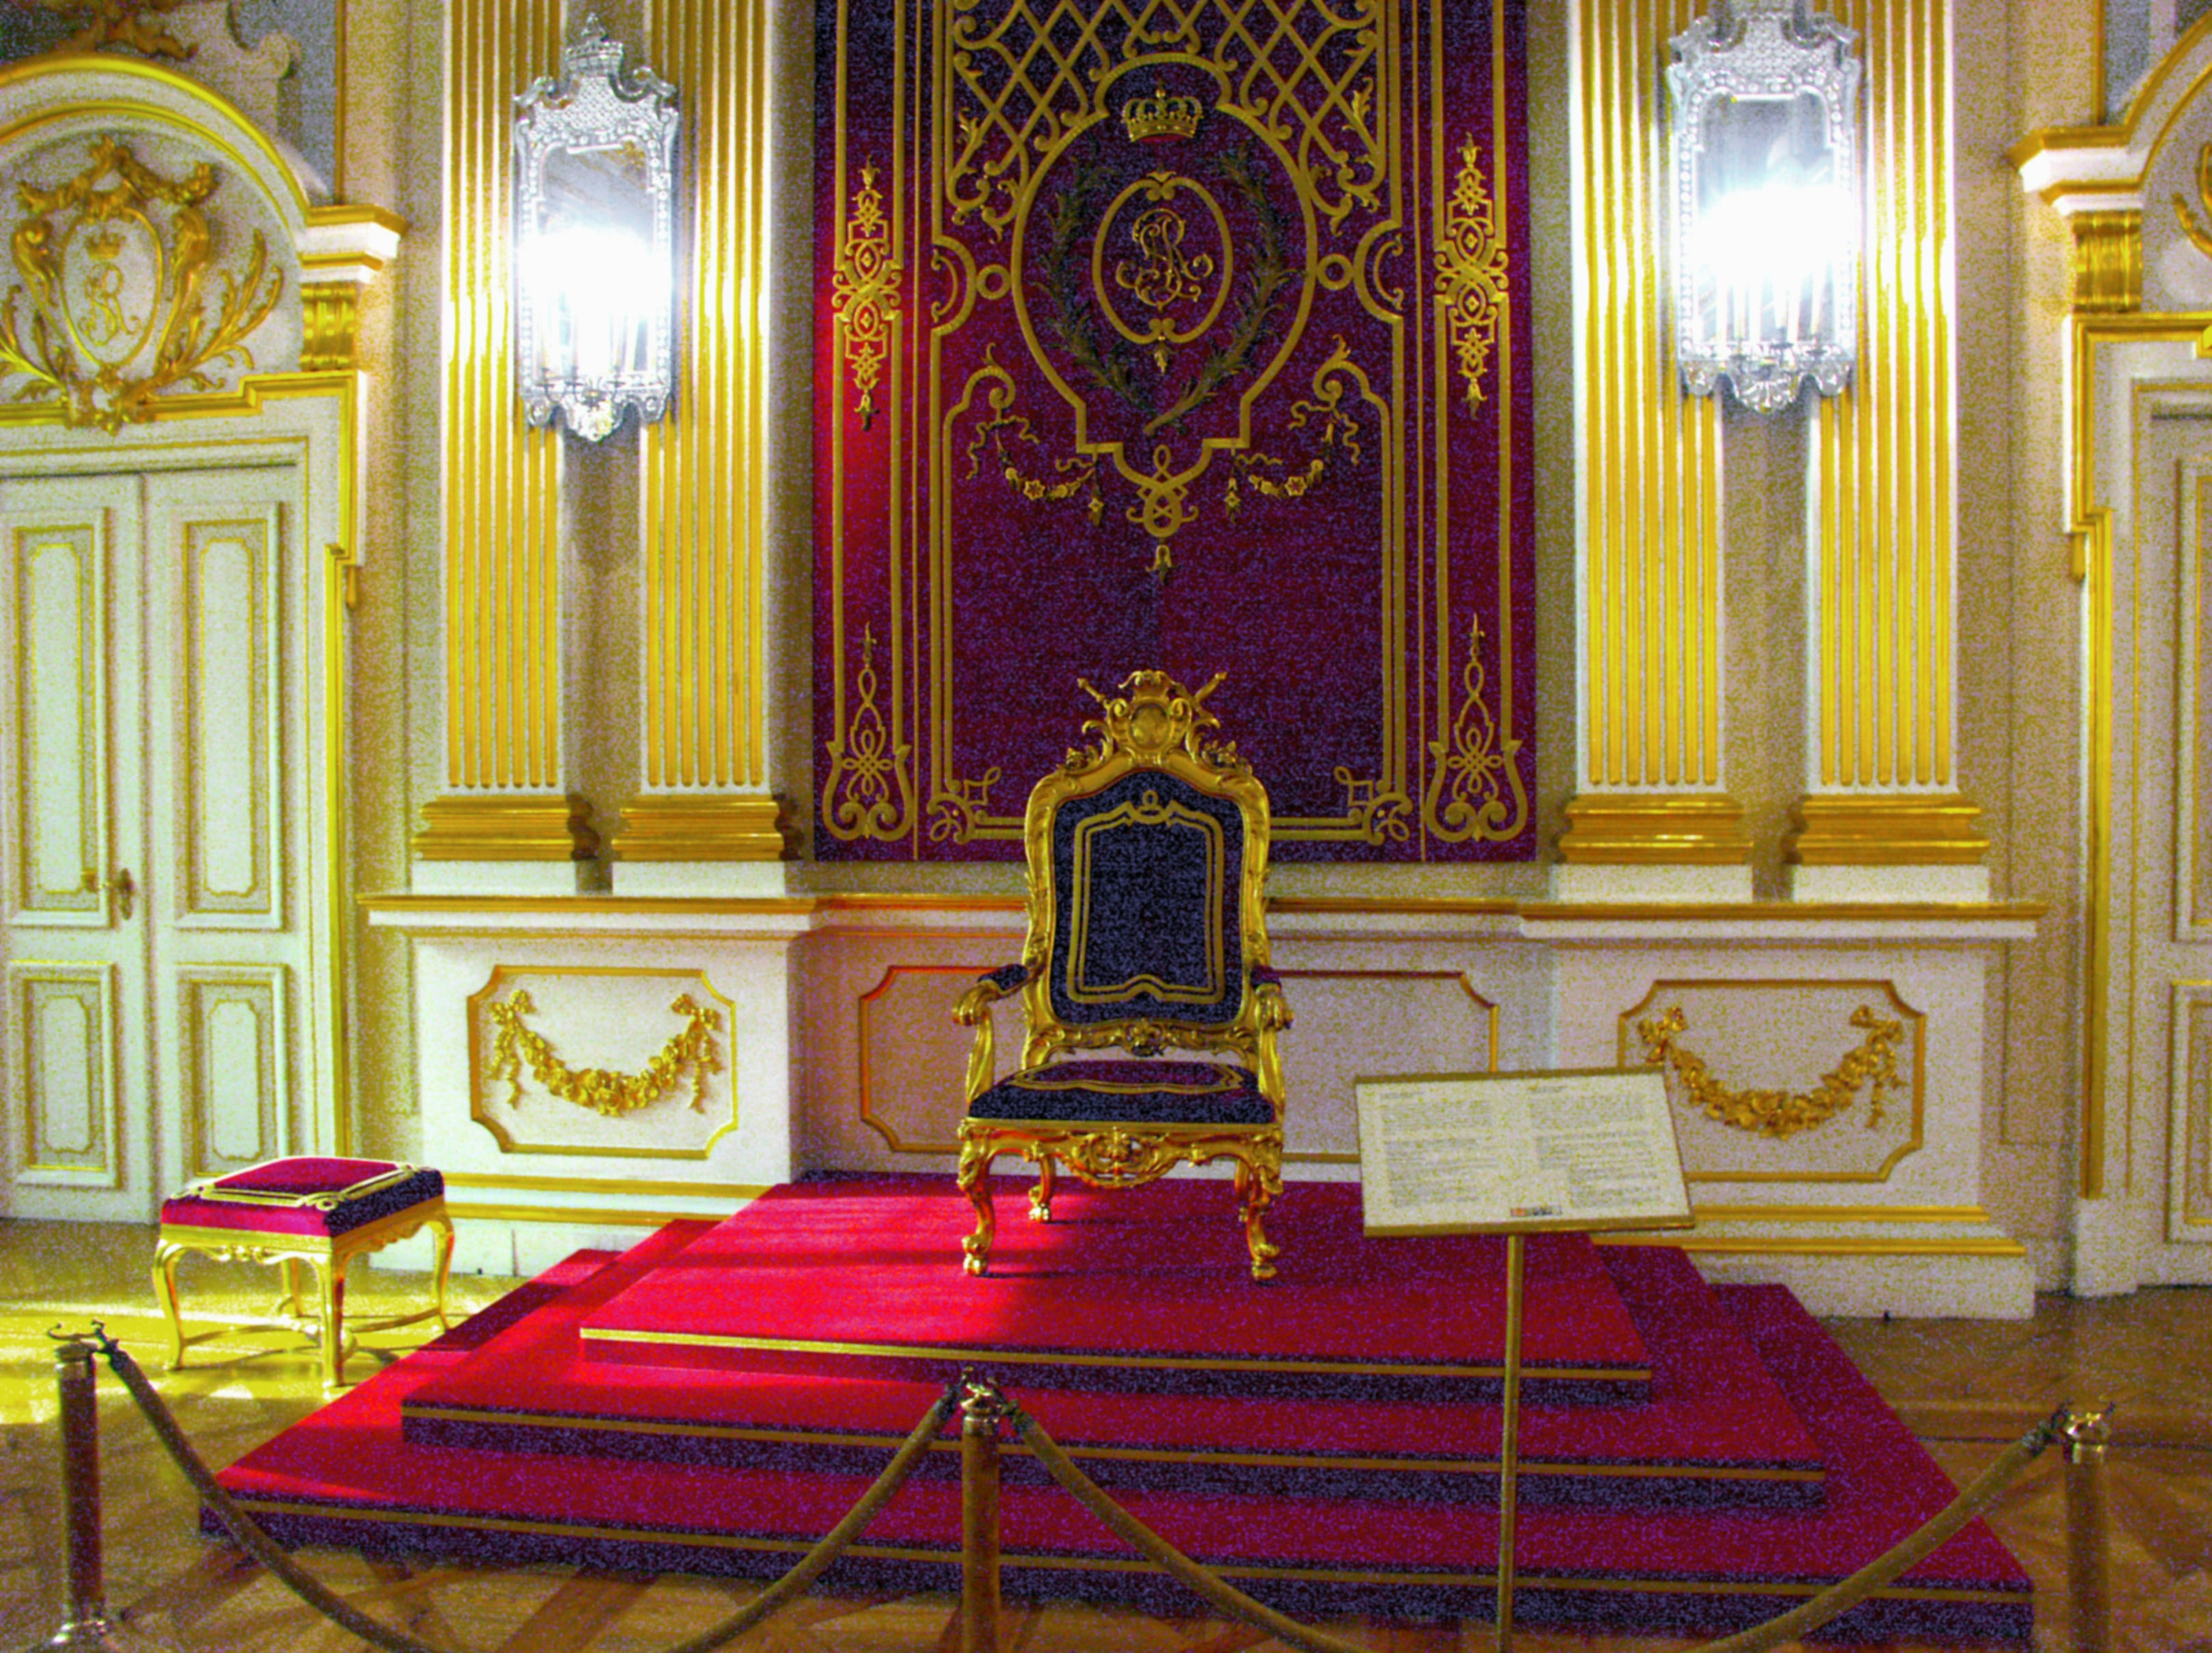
column 706, row 468
column 1649, row 512
column 503, row 565
column 1883, row 708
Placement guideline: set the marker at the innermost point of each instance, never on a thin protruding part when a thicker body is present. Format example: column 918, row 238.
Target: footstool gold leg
column 330, row 1280
column 443, row 1266
column 165, row 1293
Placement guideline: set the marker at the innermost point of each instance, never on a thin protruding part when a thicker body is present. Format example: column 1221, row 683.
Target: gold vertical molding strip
column 702, row 504
column 1648, row 476
column 502, row 522
column 1884, row 519
column 502, row 514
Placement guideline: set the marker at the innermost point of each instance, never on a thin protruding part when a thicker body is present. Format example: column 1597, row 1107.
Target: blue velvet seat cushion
column 1129, row 1093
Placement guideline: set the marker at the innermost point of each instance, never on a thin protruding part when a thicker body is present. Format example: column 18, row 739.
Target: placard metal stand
column 1569, row 1152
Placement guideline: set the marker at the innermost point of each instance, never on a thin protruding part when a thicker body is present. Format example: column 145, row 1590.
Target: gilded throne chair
column 1147, row 855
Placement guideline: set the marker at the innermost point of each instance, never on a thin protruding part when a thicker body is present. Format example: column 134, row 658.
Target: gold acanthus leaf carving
column 1782, row 1112
column 864, row 288
column 121, row 23
column 693, row 1049
column 87, row 344
column 1471, row 272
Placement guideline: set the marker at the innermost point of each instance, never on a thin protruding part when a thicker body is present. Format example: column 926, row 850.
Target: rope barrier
column 1837, row 1599
column 248, row 1535
column 1217, row 1592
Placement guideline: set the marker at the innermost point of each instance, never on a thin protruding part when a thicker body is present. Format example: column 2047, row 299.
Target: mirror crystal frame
column 595, row 241
column 1765, row 101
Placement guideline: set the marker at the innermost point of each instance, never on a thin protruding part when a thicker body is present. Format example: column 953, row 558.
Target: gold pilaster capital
column 329, row 317
column 1851, row 829
column 505, row 827
column 2108, row 261
column 1656, row 829
column 689, row 827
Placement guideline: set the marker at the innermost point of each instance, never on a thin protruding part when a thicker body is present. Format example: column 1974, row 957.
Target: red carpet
column 1642, row 1516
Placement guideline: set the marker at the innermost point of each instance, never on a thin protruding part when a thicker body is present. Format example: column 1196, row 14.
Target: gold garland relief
column 123, row 309
column 1781, row 1113
column 693, row 1049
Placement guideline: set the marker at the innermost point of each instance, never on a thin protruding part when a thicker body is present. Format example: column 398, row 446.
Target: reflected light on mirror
column 1768, row 256
column 595, row 286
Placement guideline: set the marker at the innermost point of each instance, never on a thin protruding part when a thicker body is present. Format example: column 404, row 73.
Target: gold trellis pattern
column 1781, row 1113
column 693, row 1048
column 1308, row 71
column 124, row 307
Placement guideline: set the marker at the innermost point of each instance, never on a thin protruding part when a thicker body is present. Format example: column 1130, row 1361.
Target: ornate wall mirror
column 1766, row 202
column 595, row 241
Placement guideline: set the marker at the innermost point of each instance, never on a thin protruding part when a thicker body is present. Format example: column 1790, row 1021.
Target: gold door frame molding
column 312, row 414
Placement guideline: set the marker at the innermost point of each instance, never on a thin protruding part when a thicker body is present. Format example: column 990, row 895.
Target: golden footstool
column 317, row 1212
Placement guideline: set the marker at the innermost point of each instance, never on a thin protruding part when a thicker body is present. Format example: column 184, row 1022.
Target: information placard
column 1490, row 1154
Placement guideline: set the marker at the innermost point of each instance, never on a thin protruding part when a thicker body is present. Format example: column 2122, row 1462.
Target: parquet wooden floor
column 1964, row 1386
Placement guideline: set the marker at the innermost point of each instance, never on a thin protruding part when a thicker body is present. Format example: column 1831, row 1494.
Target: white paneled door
column 155, row 925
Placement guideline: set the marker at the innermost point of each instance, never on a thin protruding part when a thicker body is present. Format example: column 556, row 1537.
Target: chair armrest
column 1267, row 994
column 974, row 1007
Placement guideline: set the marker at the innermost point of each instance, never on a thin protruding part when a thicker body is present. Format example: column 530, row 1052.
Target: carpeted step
column 1715, row 1431
column 347, row 1476
column 1147, row 1289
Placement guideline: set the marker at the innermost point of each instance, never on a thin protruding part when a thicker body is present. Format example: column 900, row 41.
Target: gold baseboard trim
column 488, row 827
column 681, row 827
column 1665, row 830
column 1886, row 832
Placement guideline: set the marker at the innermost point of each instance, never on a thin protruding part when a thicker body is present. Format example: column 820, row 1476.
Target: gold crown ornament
column 1160, row 116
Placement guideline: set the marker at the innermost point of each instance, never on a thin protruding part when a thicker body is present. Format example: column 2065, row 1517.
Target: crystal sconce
column 595, row 241
column 1765, row 103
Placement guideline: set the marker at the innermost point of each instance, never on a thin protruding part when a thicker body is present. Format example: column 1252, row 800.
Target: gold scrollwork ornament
column 1472, row 267
column 864, row 292
column 868, row 791
column 1781, row 1113
column 692, row 1049
column 122, row 307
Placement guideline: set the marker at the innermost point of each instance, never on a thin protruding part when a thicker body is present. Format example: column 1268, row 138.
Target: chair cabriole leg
column 974, row 1180
column 1041, row 1195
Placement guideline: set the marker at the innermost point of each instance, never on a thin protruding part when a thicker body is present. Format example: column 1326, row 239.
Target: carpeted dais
column 1757, row 1466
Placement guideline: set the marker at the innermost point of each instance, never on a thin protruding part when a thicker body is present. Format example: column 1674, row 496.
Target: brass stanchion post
column 2088, row 1551
column 1509, row 1444
column 86, row 1624
column 982, row 1411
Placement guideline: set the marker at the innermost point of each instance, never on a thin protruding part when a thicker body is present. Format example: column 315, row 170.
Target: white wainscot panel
column 885, row 1079
column 528, row 1169
column 1828, row 1104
